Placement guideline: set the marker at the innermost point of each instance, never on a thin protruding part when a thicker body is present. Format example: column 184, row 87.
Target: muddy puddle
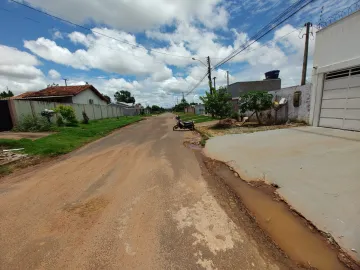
column 293, row 234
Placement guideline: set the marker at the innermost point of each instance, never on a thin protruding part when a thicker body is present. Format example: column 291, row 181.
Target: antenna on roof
column 65, row 81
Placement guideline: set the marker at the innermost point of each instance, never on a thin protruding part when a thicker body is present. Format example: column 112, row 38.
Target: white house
column 78, row 94
column 335, row 100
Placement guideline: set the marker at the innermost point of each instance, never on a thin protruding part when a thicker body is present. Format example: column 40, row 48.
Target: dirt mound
column 225, row 123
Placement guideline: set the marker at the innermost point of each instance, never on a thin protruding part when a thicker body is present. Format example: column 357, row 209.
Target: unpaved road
column 137, row 199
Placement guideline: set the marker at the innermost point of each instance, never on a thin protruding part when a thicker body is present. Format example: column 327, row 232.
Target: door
column 340, row 107
column 5, row 119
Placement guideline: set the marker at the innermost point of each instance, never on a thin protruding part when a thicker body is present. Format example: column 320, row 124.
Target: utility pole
column 209, row 74
column 306, row 51
column 227, row 80
column 214, row 83
column 65, row 81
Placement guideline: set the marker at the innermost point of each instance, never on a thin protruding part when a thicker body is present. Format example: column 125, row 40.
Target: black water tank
column 274, row 74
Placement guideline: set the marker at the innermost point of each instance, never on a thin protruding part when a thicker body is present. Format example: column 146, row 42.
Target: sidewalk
column 317, row 169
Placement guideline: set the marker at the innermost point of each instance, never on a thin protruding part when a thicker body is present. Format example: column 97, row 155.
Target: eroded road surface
column 137, row 199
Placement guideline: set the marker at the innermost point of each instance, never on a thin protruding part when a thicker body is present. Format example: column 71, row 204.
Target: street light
column 193, row 58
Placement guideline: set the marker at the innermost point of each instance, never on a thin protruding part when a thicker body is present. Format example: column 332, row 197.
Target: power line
column 266, row 30
column 96, row 32
column 288, row 13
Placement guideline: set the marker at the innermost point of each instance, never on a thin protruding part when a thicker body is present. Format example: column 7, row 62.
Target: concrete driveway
column 317, row 169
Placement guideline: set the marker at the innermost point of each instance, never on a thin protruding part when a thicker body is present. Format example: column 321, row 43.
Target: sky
column 147, row 46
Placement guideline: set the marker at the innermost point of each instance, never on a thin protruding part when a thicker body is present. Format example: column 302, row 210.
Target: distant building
column 197, row 109
column 239, row 88
column 78, row 94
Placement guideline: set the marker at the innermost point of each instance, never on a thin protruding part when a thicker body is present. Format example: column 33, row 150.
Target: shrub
column 29, row 123
column 85, row 118
column 256, row 101
column 60, row 121
column 235, row 115
column 68, row 114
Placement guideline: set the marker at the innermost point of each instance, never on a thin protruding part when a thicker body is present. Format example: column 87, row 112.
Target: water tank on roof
column 274, row 74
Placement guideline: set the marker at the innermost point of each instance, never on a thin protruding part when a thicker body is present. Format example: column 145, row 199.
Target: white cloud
column 138, row 15
column 57, row 35
column 18, row 70
column 101, row 53
column 53, row 74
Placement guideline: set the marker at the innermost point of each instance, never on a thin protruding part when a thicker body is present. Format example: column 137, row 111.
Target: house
column 270, row 83
column 197, row 109
column 335, row 100
column 78, row 94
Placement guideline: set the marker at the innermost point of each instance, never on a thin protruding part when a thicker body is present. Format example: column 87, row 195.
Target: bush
column 60, row 122
column 235, row 115
column 68, row 114
column 28, row 123
column 85, row 118
column 225, row 123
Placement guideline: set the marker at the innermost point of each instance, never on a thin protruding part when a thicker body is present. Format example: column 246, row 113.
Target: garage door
column 340, row 107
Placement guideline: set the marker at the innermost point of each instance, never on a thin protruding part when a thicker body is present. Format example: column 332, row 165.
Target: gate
column 5, row 118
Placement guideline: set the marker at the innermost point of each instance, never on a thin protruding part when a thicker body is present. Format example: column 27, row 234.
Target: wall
column 199, row 109
column 21, row 108
column 288, row 111
column 336, row 47
column 236, row 89
column 84, row 96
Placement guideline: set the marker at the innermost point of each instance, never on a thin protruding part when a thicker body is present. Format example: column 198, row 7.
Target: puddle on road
column 288, row 231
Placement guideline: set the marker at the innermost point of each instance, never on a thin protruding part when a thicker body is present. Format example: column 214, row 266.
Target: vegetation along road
column 136, row 199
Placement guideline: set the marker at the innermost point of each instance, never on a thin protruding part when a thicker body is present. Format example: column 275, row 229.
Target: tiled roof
column 55, row 91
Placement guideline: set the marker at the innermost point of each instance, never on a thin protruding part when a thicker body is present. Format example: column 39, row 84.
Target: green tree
column 255, row 101
column 218, row 103
column 181, row 106
column 108, row 99
column 7, row 94
column 124, row 96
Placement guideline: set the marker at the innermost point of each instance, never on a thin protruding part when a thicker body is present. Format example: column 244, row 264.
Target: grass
column 68, row 139
column 195, row 118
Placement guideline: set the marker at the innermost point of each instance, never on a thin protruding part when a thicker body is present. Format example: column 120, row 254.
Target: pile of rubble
column 10, row 155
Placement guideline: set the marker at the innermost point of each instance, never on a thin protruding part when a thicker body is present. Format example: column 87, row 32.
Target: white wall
column 22, row 108
column 336, row 47
column 84, row 96
column 288, row 111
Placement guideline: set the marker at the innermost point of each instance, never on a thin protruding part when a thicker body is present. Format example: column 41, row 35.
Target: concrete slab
column 317, row 169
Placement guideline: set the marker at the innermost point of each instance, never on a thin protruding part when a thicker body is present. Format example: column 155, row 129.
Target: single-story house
column 335, row 98
column 197, row 109
column 78, row 94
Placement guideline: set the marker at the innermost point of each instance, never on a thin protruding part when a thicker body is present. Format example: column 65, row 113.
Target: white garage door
column 340, row 106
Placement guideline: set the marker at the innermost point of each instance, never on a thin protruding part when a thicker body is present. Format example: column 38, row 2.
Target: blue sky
column 36, row 50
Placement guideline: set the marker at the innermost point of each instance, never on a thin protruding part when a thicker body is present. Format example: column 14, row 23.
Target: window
column 91, row 101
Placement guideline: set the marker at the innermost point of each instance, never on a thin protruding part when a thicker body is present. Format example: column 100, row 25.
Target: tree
column 255, row 101
column 7, row 94
column 124, row 96
column 218, row 103
column 108, row 99
column 181, row 106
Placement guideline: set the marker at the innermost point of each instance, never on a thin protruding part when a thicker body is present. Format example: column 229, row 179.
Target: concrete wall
column 288, row 111
column 199, row 109
column 336, row 47
column 21, row 108
column 85, row 96
column 236, row 89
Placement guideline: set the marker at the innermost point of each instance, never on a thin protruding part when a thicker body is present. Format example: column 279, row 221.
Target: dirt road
column 137, row 199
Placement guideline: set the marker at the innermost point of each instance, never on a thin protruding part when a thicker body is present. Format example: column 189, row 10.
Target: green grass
column 68, row 139
column 195, row 118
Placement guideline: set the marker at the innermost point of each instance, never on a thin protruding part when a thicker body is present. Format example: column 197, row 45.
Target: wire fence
column 339, row 15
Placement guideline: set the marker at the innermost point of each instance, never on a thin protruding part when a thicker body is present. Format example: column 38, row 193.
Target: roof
column 60, row 91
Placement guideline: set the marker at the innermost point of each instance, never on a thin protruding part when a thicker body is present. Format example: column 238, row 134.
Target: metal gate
column 5, row 118
column 340, row 106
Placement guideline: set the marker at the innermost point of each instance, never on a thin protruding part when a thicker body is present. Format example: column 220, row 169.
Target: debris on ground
column 8, row 156
column 226, row 123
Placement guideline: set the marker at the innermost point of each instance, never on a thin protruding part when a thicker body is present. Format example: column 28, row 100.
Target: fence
column 20, row 108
